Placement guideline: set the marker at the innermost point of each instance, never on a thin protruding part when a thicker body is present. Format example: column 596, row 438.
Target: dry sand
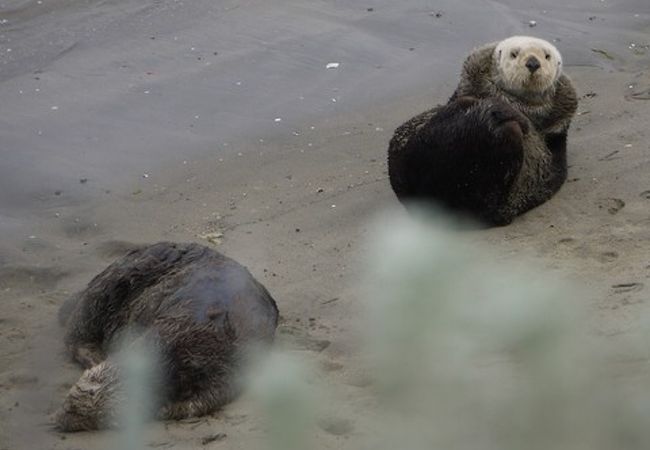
column 125, row 122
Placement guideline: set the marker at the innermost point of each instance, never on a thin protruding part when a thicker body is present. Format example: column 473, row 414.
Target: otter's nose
column 533, row 64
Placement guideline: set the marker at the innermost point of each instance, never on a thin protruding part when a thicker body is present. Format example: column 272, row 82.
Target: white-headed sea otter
column 498, row 147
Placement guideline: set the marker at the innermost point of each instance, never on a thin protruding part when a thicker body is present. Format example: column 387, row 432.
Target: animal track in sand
column 235, row 419
column 331, row 366
column 645, row 194
column 215, row 437
column 295, row 338
column 585, row 250
column 336, row 426
column 622, row 288
column 607, row 256
column 612, row 205
column 21, row 379
column 360, row 380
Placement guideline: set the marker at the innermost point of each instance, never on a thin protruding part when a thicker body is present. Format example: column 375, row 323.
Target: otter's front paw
column 507, row 123
column 466, row 101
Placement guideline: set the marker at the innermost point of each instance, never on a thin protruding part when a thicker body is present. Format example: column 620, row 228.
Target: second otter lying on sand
column 197, row 309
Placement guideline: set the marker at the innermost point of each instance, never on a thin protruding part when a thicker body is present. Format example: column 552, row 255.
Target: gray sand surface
column 133, row 121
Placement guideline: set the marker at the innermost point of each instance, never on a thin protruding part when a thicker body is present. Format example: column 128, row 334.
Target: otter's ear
column 499, row 54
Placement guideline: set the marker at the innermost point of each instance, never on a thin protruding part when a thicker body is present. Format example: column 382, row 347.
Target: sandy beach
column 220, row 122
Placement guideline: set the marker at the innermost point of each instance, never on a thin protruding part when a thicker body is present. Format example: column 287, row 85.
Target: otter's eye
column 548, row 56
column 513, row 54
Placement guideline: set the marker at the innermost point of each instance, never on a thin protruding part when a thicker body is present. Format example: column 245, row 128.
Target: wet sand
column 126, row 123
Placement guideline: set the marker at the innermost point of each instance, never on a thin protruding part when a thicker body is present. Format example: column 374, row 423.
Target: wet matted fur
column 498, row 147
column 192, row 307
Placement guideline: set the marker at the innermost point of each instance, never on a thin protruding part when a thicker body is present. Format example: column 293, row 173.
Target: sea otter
column 498, row 147
column 196, row 309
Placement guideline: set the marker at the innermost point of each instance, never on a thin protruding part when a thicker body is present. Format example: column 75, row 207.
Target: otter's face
column 528, row 64
column 91, row 403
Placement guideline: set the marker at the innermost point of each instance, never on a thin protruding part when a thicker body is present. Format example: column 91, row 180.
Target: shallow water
column 108, row 91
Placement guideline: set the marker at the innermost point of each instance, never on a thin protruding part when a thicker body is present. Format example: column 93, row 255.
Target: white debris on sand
column 213, row 238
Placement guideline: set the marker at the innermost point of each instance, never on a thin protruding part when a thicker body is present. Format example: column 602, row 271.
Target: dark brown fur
column 191, row 306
